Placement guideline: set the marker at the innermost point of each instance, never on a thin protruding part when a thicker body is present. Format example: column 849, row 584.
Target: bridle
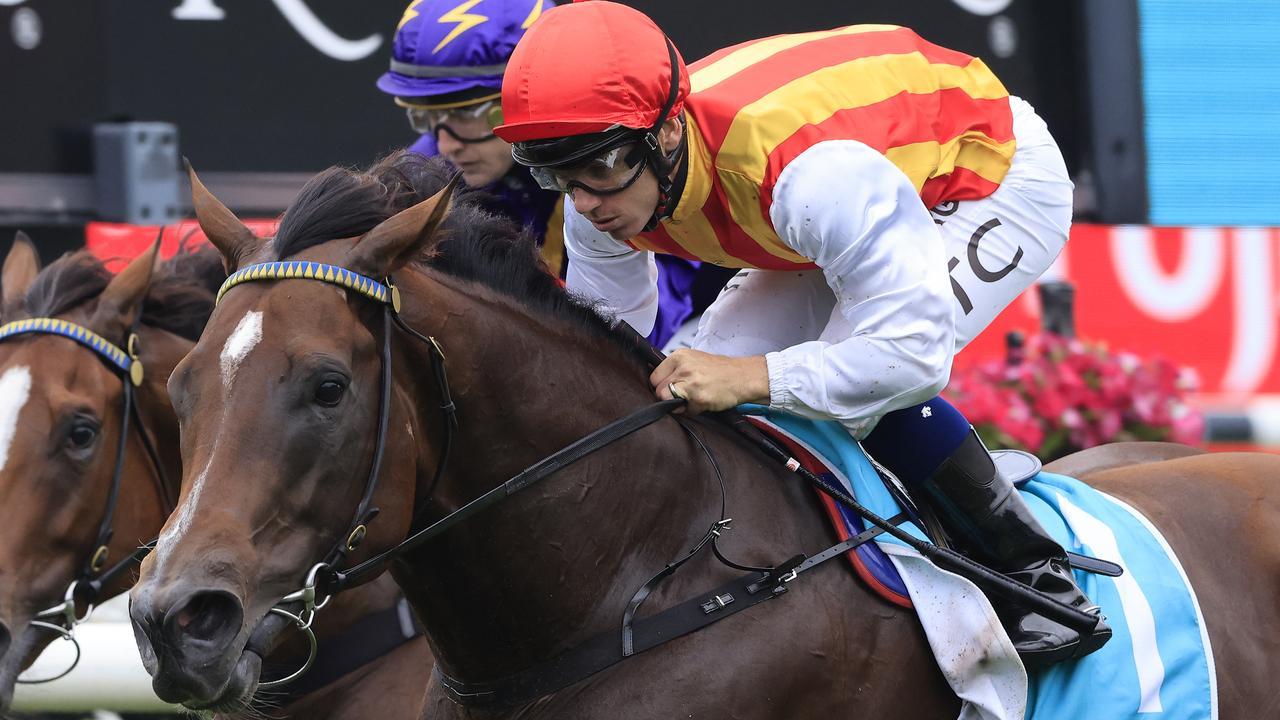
column 324, row 579
column 94, row 575
column 321, row 582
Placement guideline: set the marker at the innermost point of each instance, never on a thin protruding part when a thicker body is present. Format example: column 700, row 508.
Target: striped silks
column 939, row 115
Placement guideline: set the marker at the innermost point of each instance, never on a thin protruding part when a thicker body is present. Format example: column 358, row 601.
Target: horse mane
column 179, row 300
column 477, row 245
column 181, row 297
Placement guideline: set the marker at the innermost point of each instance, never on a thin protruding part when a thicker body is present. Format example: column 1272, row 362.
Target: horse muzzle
column 189, row 645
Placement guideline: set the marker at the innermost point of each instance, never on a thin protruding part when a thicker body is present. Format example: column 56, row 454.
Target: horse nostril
column 209, row 616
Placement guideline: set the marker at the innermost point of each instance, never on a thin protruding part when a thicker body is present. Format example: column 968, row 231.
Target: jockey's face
column 623, row 215
column 481, row 163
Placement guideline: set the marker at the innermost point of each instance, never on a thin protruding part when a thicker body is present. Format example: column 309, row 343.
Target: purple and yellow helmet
column 455, row 51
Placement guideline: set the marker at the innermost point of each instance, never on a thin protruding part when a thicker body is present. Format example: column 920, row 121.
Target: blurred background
column 1167, row 112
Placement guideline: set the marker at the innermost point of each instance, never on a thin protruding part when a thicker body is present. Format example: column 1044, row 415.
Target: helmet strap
column 658, row 161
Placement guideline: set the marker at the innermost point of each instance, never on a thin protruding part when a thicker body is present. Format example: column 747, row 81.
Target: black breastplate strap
column 606, row 649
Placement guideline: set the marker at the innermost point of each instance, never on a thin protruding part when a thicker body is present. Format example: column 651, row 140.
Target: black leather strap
column 615, row 430
column 985, row 578
column 604, row 650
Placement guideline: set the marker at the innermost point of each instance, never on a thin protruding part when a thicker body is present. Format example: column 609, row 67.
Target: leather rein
column 86, row 589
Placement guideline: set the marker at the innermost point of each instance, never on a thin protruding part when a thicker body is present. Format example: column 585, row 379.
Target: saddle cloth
column 1158, row 664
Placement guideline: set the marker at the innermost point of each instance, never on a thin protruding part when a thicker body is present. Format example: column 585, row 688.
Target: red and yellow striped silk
column 940, row 116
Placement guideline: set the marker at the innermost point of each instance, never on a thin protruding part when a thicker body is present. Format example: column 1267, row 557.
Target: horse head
column 279, row 404
column 71, row 334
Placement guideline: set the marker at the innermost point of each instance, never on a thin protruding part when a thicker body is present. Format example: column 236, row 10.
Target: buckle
column 717, row 602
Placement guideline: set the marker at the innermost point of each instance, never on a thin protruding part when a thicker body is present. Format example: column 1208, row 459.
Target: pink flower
column 1066, row 395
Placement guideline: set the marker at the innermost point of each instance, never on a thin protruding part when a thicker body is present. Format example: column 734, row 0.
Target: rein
column 87, row 587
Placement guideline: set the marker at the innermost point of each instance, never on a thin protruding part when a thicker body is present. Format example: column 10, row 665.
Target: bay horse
column 279, row 406
column 60, row 425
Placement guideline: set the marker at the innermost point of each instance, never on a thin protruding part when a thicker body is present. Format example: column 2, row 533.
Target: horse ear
column 21, row 266
column 396, row 240
column 120, row 303
column 230, row 236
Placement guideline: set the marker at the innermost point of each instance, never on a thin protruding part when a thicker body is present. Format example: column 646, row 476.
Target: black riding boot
column 982, row 511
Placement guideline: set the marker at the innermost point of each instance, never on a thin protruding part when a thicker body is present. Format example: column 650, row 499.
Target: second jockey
column 446, row 71
column 886, row 199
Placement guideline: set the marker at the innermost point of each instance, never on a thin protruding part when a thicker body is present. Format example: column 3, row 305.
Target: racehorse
column 60, row 426
column 280, row 411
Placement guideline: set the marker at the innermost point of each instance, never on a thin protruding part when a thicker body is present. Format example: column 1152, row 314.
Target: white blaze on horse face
column 174, row 532
column 243, row 339
column 15, row 388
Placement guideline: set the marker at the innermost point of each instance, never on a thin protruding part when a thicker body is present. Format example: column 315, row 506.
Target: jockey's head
column 593, row 101
column 446, row 71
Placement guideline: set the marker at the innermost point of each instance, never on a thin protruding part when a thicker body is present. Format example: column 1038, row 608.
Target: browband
column 301, row 269
column 125, row 360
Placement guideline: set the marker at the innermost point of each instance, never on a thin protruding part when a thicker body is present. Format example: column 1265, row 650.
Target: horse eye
column 329, row 393
column 82, row 435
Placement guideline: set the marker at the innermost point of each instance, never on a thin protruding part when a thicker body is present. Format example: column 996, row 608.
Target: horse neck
column 548, row 568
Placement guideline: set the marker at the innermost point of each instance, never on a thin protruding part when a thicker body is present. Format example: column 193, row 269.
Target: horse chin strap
column 87, row 588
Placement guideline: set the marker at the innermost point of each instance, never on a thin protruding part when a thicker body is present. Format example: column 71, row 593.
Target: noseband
column 87, row 587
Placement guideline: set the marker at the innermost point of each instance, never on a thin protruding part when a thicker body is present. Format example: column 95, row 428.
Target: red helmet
column 588, row 67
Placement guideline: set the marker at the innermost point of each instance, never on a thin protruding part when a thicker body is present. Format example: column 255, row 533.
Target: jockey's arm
column 623, row 279
column 857, row 216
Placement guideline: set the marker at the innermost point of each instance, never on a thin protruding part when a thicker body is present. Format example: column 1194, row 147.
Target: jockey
column 885, row 197
column 446, row 71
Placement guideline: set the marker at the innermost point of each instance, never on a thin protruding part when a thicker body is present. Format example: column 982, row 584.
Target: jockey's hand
column 711, row 383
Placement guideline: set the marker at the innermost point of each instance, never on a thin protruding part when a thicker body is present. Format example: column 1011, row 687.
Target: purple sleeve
column 675, row 297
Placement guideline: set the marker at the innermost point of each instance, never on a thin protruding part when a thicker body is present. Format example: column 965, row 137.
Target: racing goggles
column 466, row 124
column 605, row 173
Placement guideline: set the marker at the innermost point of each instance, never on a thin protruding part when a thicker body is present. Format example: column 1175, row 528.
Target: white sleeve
column 621, row 279
column 858, row 217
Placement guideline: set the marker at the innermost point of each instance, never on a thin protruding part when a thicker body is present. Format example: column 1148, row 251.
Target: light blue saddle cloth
column 1158, row 664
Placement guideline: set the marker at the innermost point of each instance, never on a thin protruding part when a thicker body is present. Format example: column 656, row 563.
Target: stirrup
column 1081, row 646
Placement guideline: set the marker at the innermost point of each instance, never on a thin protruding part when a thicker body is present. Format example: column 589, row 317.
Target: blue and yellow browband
column 127, row 362
column 332, row 274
